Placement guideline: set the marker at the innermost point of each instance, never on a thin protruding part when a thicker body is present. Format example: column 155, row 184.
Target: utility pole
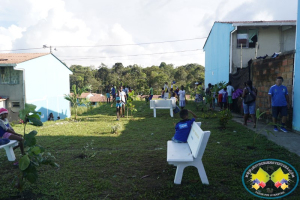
column 50, row 49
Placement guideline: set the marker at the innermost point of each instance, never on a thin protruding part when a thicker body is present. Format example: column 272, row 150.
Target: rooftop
column 15, row 58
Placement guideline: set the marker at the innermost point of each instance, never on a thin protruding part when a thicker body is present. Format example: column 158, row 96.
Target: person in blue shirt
column 183, row 128
column 279, row 102
column 113, row 92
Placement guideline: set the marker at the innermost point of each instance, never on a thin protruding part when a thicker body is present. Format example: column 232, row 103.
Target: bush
column 225, row 116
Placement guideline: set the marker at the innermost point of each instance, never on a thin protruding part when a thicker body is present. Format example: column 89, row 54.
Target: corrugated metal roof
column 249, row 22
column 15, row 58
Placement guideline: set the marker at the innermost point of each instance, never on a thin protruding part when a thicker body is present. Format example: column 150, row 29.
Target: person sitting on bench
column 6, row 131
column 183, row 127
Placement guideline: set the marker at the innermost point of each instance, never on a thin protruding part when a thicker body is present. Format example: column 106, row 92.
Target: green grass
column 132, row 163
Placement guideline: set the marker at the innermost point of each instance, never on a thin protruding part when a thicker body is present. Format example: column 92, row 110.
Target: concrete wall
column 217, row 51
column 296, row 102
column 264, row 73
column 270, row 39
column 46, row 83
column 15, row 94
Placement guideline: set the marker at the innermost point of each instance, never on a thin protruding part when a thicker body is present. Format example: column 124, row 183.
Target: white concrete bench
column 190, row 153
column 161, row 104
column 9, row 149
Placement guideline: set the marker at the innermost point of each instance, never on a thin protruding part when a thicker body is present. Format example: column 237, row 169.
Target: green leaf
column 29, row 140
column 30, row 174
column 35, row 115
column 35, row 121
column 29, row 108
column 36, row 150
column 24, row 162
column 31, row 134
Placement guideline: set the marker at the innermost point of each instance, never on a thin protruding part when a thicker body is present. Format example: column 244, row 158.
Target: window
column 15, row 104
column 9, row 76
column 247, row 38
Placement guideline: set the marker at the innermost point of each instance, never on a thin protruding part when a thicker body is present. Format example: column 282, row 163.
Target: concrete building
column 230, row 45
column 36, row 78
column 296, row 96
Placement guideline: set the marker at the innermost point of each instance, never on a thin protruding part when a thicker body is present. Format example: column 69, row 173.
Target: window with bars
column 9, row 76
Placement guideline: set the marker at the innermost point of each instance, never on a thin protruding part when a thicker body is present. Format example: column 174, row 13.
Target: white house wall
column 46, row 83
column 270, row 39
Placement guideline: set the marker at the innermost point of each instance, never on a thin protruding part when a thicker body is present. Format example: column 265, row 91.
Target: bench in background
column 190, row 153
column 161, row 104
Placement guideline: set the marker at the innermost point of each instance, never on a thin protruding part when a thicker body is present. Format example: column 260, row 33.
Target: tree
column 35, row 155
column 74, row 98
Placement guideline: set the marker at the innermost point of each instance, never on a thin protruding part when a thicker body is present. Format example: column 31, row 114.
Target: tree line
column 136, row 77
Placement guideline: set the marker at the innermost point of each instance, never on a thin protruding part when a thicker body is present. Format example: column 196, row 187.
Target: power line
column 84, row 58
column 143, row 43
column 110, row 45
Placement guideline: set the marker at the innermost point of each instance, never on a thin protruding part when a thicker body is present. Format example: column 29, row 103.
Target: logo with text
column 270, row 179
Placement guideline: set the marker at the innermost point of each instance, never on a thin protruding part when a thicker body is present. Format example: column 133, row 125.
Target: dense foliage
column 137, row 77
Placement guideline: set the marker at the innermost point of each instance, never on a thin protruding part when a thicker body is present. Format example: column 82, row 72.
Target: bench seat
column 162, row 104
column 9, row 149
column 179, row 152
column 187, row 154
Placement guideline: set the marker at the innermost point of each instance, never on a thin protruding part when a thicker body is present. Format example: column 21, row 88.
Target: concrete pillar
column 296, row 98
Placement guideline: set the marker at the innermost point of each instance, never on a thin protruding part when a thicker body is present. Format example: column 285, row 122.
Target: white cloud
column 33, row 23
column 9, row 35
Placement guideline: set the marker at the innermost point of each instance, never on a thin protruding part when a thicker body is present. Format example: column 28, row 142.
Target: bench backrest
column 197, row 140
column 161, row 103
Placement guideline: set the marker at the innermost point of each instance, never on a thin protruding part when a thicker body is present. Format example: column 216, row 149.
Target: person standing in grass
column 174, row 100
column 113, row 92
column 183, row 127
column 118, row 107
column 279, row 102
column 123, row 98
column 107, row 94
column 150, row 93
column 220, row 98
column 224, row 98
column 162, row 93
column 181, row 94
column 208, row 97
column 166, row 89
column 250, row 106
column 230, row 90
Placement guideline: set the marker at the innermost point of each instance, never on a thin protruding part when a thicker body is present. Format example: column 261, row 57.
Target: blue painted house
column 36, row 78
column 230, row 45
column 296, row 97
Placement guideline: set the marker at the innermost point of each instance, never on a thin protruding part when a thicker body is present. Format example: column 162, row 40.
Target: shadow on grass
column 132, row 164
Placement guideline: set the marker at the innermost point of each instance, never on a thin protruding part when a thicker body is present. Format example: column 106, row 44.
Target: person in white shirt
column 230, row 90
column 220, row 98
column 123, row 98
column 174, row 99
column 166, row 88
column 181, row 94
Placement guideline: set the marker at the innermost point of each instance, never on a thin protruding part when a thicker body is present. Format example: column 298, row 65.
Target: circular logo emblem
column 270, row 179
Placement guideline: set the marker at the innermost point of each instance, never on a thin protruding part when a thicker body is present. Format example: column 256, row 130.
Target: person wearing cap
column 6, row 131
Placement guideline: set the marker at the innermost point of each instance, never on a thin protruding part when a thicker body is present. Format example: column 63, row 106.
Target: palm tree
column 76, row 94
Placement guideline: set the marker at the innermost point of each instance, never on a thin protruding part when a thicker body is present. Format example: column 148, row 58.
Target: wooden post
column 256, row 47
column 241, row 55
